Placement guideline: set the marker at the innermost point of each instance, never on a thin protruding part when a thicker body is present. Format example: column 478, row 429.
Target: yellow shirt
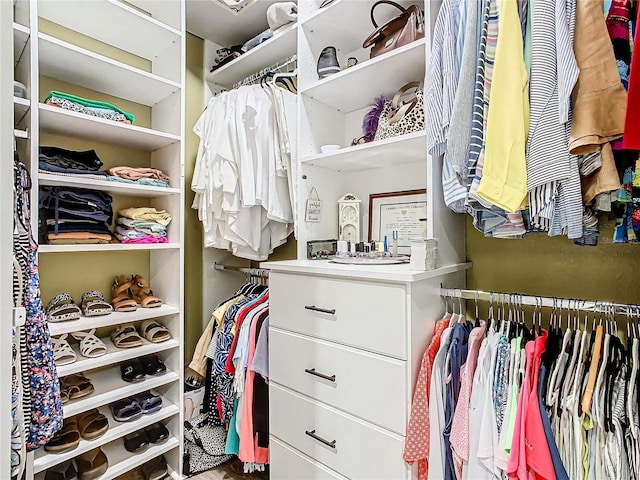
column 504, row 177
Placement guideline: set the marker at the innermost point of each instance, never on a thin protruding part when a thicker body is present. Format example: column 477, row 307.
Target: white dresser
column 345, row 345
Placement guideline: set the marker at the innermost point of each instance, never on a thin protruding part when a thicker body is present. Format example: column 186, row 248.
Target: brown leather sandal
column 92, row 464
column 92, row 424
column 142, row 292
column 121, row 297
column 76, row 386
column 65, row 439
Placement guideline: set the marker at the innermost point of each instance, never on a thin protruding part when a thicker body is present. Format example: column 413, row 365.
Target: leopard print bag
column 403, row 114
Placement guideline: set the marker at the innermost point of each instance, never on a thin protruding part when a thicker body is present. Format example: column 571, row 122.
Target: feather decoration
column 370, row 121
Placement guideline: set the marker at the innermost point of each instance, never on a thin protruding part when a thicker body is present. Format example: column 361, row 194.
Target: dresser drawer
column 288, row 464
column 366, row 315
column 354, row 378
column 351, row 447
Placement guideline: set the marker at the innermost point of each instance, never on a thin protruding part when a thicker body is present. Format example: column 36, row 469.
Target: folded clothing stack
column 69, row 163
column 74, row 216
column 225, row 55
column 140, row 176
column 142, row 225
column 94, row 108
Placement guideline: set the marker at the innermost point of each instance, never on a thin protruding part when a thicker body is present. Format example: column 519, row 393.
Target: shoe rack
column 63, row 42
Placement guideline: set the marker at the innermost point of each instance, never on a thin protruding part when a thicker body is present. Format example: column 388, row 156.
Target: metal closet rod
column 271, row 68
column 254, row 272
column 518, row 299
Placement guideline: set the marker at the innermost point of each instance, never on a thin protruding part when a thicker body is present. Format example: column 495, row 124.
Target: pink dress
column 416, row 445
column 517, row 467
column 460, row 426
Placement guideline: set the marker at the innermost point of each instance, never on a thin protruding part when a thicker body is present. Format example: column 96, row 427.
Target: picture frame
column 404, row 211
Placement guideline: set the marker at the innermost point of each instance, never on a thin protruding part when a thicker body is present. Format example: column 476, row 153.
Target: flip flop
column 148, row 402
column 125, row 410
column 94, row 304
column 156, row 469
column 154, row 332
column 153, row 366
column 63, row 354
column 136, row 441
column 126, row 336
column 90, row 345
column 142, row 293
column 62, row 471
column 92, row 464
column 65, row 439
column 62, row 308
column 121, row 298
column 92, row 424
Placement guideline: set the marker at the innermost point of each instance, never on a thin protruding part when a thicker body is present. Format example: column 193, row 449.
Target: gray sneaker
column 328, row 62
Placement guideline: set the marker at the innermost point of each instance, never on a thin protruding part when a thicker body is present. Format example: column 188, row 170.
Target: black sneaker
column 328, row 62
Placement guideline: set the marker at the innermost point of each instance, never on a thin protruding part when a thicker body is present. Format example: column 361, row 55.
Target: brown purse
column 404, row 28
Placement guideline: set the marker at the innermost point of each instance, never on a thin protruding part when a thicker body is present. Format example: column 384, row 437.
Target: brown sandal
column 76, row 386
column 92, row 424
column 126, row 336
column 121, row 297
column 65, row 439
column 92, row 464
column 142, row 292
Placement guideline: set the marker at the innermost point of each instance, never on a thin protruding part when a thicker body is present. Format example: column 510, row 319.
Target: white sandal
column 90, row 345
column 63, row 354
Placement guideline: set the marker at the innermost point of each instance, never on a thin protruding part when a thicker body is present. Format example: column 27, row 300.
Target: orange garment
column 136, row 173
column 79, row 236
column 593, row 370
column 416, row 445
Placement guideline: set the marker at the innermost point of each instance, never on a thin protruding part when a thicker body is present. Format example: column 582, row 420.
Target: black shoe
column 132, row 371
column 157, row 433
column 328, row 62
column 153, row 365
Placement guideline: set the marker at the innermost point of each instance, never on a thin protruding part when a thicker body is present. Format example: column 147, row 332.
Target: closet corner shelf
column 108, row 247
column 407, row 148
column 115, row 318
column 20, row 38
column 20, row 108
column 117, row 430
column 356, row 87
column 114, row 355
column 279, row 47
column 134, row 28
column 109, row 387
column 388, row 273
column 121, row 461
column 65, row 122
column 70, row 63
column 115, row 188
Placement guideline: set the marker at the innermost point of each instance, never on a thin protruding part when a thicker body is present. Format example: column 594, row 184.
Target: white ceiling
column 210, row 20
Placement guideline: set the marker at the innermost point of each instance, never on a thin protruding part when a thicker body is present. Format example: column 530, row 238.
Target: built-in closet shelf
column 110, row 387
column 114, row 355
column 407, row 148
column 107, row 247
column 136, row 32
column 115, row 318
column 117, row 430
column 357, row 87
column 20, row 39
column 70, row 63
column 113, row 187
column 279, row 47
column 389, row 273
column 66, row 122
column 20, row 108
column 321, row 29
column 121, row 461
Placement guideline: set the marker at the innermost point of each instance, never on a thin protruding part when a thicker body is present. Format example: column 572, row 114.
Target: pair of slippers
column 90, row 347
column 137, row 369
column 90, row 465
column 130, row 409
column 155, row 469
column 126, row 335
column 152, row 435
column 63, row 308
column 128, row 292
column 88, row 425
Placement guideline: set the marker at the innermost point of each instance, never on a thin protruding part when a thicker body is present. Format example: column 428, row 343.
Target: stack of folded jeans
column 142, row 225
column 69, row 163
column 94, row 108
column 140, row 176
column 74, row 216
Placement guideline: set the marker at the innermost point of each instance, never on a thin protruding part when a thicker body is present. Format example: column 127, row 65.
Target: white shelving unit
column 155, row 32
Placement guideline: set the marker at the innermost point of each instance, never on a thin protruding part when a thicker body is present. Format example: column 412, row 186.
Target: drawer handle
column 322, row 310
column 312, row 371
column 313, row 435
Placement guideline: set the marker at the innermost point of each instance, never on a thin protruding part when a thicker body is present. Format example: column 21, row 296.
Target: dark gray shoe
column 328, row 62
